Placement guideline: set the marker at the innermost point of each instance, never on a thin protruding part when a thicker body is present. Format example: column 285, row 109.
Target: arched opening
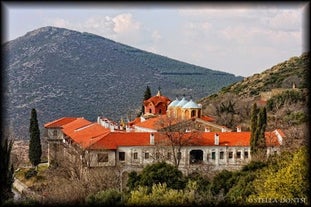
column 186, row 114
column 196, row 156
column 192, row 113
column 150, row 111
column 160, row 111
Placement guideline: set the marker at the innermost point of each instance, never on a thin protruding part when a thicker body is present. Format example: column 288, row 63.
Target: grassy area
column 36, row 179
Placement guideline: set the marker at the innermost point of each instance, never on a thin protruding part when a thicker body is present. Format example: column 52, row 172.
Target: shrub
column 253, row 165
column 109, row 197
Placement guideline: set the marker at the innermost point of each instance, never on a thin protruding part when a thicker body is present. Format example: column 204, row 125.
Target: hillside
column 286, row 106
column 61, row 72
column 282, row 75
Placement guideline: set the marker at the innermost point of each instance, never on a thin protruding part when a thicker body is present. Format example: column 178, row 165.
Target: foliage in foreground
column 282, row 178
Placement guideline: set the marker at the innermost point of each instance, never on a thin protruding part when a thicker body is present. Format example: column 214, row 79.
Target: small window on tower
column 150, row 111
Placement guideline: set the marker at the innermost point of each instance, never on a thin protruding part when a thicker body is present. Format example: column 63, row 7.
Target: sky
column 239, row 38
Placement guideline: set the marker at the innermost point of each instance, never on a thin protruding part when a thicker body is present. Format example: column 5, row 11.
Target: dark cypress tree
column 254, row 136
column 6, row 169
column 147, row 95
column 258, row 129
column 35, row 150
column 262, row 123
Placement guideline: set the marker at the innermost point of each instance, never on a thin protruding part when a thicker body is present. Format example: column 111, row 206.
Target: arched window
column 150, row 111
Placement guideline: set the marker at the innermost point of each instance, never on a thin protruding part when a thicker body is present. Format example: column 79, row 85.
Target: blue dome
column 182, row 102
column 174, row 103
column 191, row 105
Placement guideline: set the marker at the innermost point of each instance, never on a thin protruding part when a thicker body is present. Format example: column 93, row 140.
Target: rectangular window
column 102, row 157
column 230, row 155
column 238, row 155
column 213, row 155
column 55, row 132
column 121, row 156
column 245, row 154
column 221, row 155
column 135, row 155
column 146, row 155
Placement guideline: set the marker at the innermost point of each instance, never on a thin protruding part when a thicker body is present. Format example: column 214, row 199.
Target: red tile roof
column 207, row 118
column 59, row 122
column 69, row 128
column 113, row 140
column 158, row 122
column 155, row 100
column 94, row 136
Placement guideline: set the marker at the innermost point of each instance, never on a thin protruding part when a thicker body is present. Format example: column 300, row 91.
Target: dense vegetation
column 281, row 179
column 62, row 72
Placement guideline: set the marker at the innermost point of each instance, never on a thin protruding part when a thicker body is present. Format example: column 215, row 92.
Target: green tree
column 35, row 150
column 160, row 172
column 6, row 168
column 287, row 177
column 258, row 128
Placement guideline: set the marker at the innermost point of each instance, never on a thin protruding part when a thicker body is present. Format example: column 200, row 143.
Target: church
column 172, row 131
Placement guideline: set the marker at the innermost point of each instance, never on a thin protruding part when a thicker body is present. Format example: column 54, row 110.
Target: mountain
column 61, row 72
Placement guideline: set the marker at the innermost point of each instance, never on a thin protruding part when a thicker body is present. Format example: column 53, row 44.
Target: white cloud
column 124, row 23
column 58, row 22
column 286, row 20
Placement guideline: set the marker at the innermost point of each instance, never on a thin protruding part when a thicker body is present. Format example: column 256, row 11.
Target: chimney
column 151, row 139
column 216, row 139
column 207, row 129
column 111, row 128
column 223, row 129
column 238, row 129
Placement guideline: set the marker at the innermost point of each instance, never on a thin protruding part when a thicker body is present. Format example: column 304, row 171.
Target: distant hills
column 61, row 72
column 287, row 107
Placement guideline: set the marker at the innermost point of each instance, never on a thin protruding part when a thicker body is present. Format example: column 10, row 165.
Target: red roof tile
column 59, row 122
column 94, row 136
column 69, row 128
column 155, row 100
column 158, row 122
column 207, row 118
column 113, row 140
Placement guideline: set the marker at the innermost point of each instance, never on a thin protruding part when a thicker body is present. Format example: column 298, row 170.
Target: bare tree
column 177, row 134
